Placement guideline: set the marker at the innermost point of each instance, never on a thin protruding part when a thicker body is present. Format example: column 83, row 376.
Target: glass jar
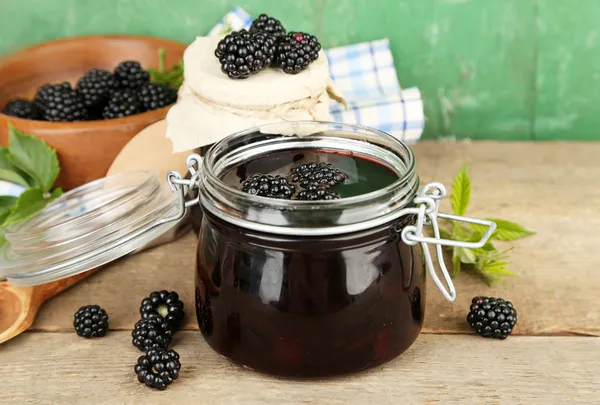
column 314, row 288
column 287, row 287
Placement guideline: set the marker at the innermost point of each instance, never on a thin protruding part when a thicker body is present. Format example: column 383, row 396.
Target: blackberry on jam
column 59, row 102
column 492, row 317
column 296, row 50
column 95, row 88
column 242, row 54
column 122, row 103
column 165, row 304
column 318, row 194
column 158, row 368
column 314, row 175
column 131, row 75
column 21, row 108
column 90, row 321
column 156, row 95
column 268, row 25
column 266, row 185
column 151, row 332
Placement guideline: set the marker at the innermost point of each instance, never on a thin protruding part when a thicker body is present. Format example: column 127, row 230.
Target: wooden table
column 552, row 357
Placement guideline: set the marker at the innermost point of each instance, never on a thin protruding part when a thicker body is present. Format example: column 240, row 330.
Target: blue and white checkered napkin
column 365, row 75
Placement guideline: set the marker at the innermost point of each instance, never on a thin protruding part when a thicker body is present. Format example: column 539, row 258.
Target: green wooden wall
column 501, row 69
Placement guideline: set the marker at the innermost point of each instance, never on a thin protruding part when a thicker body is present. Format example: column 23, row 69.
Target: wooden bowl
column 85, row 149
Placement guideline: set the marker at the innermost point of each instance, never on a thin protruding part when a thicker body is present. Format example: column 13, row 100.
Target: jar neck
column 309, row 218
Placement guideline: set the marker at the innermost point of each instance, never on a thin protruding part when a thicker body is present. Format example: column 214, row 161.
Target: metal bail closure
column 179, row 184
column 428, row 204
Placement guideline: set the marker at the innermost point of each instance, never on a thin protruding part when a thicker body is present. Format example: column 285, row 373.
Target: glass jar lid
column 87, row 227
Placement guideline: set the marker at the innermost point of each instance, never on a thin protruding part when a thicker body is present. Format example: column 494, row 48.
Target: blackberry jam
column 308, row 306
column 321, row 287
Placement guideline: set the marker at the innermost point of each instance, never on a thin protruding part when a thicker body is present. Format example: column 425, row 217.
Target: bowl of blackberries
column 88, row 96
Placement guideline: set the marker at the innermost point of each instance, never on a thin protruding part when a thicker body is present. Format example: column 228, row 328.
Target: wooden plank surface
column 63, row 368
column 547, row 187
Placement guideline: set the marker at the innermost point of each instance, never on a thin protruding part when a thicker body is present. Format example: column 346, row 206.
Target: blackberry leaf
column 7, row 202
column 461, row 192
column 9, row 172
column 505, row 230
column 30, row 202
column 34, row 157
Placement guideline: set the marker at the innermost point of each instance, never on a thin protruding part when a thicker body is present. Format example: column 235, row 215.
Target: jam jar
column 314, row 288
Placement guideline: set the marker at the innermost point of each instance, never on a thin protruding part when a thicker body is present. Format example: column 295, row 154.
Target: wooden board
column 63, row 368
column 533, row 184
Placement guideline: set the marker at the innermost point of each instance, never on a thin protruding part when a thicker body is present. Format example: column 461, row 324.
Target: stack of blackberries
column 266, row 44
column 161, row 316
column 99, row 94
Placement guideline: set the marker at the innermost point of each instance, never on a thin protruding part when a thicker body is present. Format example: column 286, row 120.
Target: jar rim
column 361, row 197
column 221, row 198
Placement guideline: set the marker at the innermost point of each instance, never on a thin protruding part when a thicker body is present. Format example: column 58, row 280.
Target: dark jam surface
column 308, row 306
column 361, row 174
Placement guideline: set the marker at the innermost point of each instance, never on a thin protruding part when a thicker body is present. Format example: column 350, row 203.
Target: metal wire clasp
column 428, row 204
column 183, row 186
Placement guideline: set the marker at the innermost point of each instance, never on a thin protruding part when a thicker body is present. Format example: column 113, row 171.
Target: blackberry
column 266, row 185
column 59, row 102
column 491, row 317
column 45, row 93
column 267, row 45
column 122, row 103
column 22, row 108
column 296, row 50
column 95, row 88
column 318, row 194
column 131, row 75
column 165, row 304
column 314, row 175
column 242, row 54
column 268, row 25
column 158, row 368
column 151, row 332
column 91, row 321
column 155, row 95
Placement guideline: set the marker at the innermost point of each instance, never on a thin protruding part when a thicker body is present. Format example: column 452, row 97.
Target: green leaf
column 34, row 157
column 456, row 261
column 461, row 192
column 493, row 272
column 467, row 256
column 172, row 77
column 13, row 177
column 505, row 230
column 445, row 234
column 9, row 172
column 31, row 202
column 488, row 247
column 7, row 202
